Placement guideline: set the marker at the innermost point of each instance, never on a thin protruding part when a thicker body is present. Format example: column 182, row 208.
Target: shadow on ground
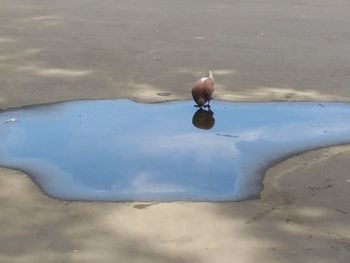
column 302, row 216
column 258, row 51
column 63, row 50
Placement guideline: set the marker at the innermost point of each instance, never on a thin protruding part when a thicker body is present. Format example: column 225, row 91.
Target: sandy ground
column 152, row 51
column 259, row 50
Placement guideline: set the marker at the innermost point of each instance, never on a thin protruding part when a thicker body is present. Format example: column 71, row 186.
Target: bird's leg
column 207, row 106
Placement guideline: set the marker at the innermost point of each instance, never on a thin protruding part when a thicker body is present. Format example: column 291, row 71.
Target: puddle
column 122, row 150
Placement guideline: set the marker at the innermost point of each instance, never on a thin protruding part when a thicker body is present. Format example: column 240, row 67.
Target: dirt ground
column 153, row 51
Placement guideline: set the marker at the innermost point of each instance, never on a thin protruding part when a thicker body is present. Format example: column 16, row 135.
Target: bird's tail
column 210, row 74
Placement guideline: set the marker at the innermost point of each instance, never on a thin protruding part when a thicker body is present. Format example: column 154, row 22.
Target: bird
column 203, row 119
column 203, row 90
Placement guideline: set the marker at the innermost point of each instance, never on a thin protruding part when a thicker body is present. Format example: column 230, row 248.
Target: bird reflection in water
column 203, row 119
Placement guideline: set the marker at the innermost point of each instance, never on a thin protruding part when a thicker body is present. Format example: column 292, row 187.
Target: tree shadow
column 75, row 50
column 303, row 214
column 35, row 227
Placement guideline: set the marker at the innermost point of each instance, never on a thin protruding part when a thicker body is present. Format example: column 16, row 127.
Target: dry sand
column 259, row 50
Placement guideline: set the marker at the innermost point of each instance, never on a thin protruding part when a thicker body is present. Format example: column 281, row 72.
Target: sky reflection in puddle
column 122, row 150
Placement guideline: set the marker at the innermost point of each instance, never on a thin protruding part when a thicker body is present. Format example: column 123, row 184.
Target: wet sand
column 258, row 51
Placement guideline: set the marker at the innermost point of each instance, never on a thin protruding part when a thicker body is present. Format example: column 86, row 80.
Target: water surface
column 118, row 150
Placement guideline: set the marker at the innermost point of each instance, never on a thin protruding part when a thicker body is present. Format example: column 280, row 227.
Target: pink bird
column 203, row 90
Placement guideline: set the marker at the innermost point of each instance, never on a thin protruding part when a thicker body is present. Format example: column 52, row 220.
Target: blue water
column 122, row 150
